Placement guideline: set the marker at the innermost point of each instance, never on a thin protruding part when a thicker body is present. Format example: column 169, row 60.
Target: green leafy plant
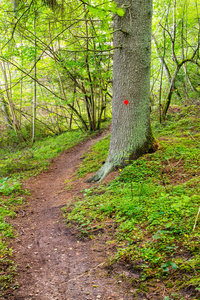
column 152, row 206
column 8, row 186
column 96, row 156
column 166, row 266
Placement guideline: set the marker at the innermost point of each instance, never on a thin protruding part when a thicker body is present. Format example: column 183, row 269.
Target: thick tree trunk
column 131, row 134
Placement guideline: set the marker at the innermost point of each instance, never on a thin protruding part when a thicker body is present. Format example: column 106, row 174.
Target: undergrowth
column 152, row 206
column 31, row 160
column 96, row 156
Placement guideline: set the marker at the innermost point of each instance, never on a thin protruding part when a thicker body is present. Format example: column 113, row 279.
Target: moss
column 152, row 206
column 150, row 145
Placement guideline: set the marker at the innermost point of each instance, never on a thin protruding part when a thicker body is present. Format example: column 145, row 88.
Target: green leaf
column 120, row 12
column 173, row 265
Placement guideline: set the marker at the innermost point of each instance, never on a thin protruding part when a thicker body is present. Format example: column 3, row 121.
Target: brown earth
column 53, row 263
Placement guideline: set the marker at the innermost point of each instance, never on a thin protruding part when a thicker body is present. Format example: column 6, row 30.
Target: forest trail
column 52, row 262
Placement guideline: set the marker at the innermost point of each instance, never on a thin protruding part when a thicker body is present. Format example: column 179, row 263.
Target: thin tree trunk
column 62, row 87
column 71, row 115
column 91, row 103
column 162, row 59
column 73, row 103
column 5, row 110
column 163, row 63
column 21, row 90
column 184, row 61
column 185, row 53
column 34, row 83
column 15, row 123
column 169, row 96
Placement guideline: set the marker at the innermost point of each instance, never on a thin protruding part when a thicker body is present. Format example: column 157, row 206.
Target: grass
column 148, row 212
column 16, row 164
column 96, row 155
column 31, row 160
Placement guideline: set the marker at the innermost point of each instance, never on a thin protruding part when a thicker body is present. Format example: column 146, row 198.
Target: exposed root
column 105, row 170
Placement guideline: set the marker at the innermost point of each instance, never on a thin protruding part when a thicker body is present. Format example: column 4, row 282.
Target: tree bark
column 15, row 123
column 5, row 110
column 131, row 134
column 164, row 64
column 172, row 86
column 34, row 82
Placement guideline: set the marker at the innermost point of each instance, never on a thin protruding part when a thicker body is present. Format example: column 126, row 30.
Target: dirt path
column 52, row 262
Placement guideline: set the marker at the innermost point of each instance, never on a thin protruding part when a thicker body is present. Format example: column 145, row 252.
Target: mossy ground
column 94, row 158
column 148, row 212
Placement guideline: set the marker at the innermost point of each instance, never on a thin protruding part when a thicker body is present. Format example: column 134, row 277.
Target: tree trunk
column 169, row 95
column 34, row 82
column 131, row 134
column 15, row 122
column 164, row 64
column 5, row 110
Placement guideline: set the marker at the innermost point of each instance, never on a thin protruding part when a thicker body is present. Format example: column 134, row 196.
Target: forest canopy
column 56, row 62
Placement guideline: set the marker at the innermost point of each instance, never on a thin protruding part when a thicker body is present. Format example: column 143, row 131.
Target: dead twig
column 196, row 219
column 169, row 165
column 178, row 162
column 23, row 212
column 85, row 274
column 193, row 138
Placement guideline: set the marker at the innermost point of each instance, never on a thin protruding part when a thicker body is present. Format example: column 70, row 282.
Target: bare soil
column 53, row 262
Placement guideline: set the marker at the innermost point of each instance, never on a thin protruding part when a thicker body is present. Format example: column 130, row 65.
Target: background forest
column 56, row 91
column 56, row 64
